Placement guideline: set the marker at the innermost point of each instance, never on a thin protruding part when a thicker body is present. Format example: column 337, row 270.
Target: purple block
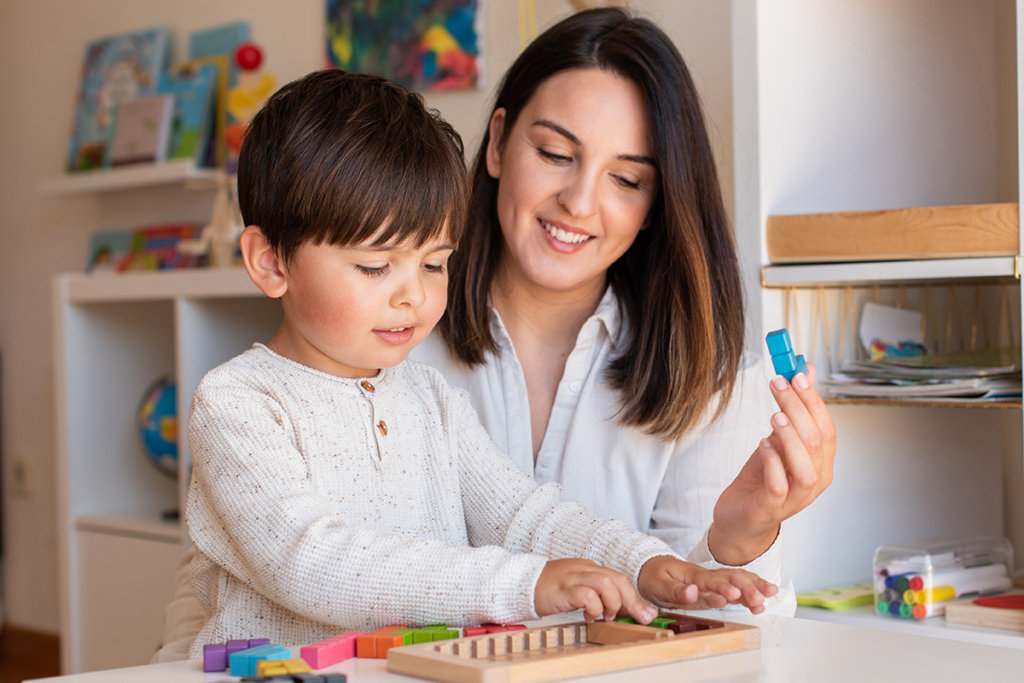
column 234, row 646
column 256, row 642
column 215, row 657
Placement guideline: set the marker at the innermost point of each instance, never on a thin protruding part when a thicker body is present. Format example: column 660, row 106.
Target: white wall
column 849, row 105
column 41, row 45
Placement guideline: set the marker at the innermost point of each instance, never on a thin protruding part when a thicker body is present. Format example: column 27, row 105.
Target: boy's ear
column 496, row 130
column 262, row 263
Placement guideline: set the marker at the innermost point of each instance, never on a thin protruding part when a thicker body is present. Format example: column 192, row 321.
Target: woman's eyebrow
column 638, row 158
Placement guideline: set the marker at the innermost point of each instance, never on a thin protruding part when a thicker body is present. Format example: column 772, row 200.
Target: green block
column 406, row 633
column 422, row 636
column 661, row 622
column 445, row 635
column 435, row 627
column 625, row 620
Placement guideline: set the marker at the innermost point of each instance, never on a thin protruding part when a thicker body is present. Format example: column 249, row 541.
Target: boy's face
column 350, row 311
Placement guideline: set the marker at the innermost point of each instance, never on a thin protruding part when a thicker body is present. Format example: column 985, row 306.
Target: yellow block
column 277, row 667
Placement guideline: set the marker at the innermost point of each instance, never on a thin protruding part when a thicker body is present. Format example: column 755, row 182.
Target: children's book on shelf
column 143, row 249
column 193, row 85
column 115, row 70
column 142, row 130
column 216, row 148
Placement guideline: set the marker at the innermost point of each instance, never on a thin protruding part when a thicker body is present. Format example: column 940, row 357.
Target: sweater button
column 383, row 427
column 369, row 387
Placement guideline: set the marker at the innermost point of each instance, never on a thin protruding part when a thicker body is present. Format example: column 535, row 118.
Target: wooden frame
column 555, row 653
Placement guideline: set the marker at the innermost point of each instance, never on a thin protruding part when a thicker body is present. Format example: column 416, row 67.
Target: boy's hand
column 567, row 585
column 669, row 582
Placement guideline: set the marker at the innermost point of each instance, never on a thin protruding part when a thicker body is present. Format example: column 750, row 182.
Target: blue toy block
column 243, row 663
column 785, row 364
column 801, row 365
column 779, row 342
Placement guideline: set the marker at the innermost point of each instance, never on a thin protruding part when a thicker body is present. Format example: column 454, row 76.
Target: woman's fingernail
column 800, row 381
column 779, row 383
column 780, row 419
column 766, row 444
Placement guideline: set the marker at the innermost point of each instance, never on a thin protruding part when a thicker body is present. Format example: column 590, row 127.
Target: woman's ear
column 496, row 130
column 262, row 263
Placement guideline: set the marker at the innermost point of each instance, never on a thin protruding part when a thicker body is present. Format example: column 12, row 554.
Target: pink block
column 330, row 650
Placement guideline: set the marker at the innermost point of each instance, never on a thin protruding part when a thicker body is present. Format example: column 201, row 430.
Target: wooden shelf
column 135, row 523
column 890, row 272
column 180, row 171
column 196, row 283
column 978, row 230
column 926, row 403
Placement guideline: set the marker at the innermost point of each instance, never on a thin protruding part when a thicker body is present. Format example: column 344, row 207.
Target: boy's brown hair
column 335, row 155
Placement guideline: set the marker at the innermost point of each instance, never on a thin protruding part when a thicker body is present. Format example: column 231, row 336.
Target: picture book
column 115, row 70
column 215, row 151
column 223, row 41
column 142, row 249
column 193, row 86
column 142, row 130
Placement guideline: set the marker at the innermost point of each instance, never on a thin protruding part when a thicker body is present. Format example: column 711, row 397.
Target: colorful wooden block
column 444, row 635
column 243, row 662
column 215, row 657
column 783, row 359
column 779, row 342
column 660, row 622
column 256, row 642
column 474, row 631
column 234, row 646
column 331, row 650
column 281, row 667
column 385, row 643
column 685, row 624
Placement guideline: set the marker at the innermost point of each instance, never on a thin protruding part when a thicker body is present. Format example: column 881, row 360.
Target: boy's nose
column 411, row 293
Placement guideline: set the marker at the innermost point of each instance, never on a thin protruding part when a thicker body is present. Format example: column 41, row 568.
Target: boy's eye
column 434, row 268
column 373, row 271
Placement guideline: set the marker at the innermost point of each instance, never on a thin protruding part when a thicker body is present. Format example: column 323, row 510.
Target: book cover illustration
column 115, row 70
column 142, row 249
column 193, row 86
column 142, row 131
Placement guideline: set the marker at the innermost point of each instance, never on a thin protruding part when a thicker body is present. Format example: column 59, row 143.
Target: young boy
column 335, row 486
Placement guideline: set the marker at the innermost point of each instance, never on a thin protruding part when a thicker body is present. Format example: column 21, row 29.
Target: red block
column 474, row 631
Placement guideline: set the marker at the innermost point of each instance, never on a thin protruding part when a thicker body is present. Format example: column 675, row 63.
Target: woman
column 595, row 306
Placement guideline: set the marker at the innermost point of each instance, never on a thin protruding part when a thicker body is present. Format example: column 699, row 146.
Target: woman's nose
column 580, row 195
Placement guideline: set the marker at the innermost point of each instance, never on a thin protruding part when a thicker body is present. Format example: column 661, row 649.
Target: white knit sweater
column 319, row 503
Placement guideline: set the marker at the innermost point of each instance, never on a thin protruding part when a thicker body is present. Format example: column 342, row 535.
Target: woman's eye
column 629, row 184
column 373, row 271
column 551, row 156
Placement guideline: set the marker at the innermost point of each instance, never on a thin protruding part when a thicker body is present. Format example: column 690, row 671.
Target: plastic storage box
column 916, row 580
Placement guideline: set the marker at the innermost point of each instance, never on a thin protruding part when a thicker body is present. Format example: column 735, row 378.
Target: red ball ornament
column 248, row 56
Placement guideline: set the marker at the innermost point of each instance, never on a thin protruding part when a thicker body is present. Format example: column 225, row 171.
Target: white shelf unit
column 178, row 171
column 866, row 106
column 114, row 335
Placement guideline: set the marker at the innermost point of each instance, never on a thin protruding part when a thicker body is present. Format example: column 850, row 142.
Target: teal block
column 779, row 342
column 785, row 363
column 801, row 365
column 243, row 663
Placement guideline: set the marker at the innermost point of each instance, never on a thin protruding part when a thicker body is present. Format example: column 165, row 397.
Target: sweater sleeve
column 254, row 511
column 506, row 507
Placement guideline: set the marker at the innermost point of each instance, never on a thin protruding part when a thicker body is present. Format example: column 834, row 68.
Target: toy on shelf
column 246, row 98
column 839, row 598
column 158, row 426
column 554, row 653
column 997, row 611
column 781, row 349
column 218, row 240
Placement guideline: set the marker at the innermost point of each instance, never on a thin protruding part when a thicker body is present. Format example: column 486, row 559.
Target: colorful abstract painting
column 422, row 44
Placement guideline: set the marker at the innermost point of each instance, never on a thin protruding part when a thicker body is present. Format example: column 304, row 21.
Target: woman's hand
column 789, row 469
column 567, row 585
column 673, row 583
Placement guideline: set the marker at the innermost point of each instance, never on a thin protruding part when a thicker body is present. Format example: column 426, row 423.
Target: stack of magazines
column 983, row 376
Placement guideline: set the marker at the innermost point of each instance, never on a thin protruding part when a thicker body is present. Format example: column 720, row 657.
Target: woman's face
column 577, row 180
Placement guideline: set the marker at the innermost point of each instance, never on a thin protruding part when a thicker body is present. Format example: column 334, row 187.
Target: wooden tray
column 556, row 653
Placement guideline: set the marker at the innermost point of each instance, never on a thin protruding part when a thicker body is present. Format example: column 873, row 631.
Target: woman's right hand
column 568, row 585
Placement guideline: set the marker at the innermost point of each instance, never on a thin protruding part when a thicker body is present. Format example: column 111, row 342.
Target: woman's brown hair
column 679, row 283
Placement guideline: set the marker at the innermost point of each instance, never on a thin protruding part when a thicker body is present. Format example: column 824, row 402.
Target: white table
column 792, row 651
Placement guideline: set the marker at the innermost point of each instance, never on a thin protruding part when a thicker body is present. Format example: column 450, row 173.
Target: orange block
column 385, row 643
column 366, row 645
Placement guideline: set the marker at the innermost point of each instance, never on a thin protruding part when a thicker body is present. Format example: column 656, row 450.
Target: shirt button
column 575, row 387
column 383, row 427
column 369, row 387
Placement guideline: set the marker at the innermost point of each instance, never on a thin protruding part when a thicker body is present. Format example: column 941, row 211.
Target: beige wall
column 41, row 45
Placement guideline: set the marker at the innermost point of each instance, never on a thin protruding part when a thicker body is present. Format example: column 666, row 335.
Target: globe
column 158, row 426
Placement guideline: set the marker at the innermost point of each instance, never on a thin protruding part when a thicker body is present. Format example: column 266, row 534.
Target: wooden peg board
column 556, row 653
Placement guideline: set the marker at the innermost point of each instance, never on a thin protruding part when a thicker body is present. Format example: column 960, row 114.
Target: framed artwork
column 422, row 44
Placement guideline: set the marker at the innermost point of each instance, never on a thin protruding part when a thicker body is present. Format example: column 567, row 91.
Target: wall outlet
column 18, row 483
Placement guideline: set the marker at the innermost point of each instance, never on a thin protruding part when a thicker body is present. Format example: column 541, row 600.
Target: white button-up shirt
column 661, row 487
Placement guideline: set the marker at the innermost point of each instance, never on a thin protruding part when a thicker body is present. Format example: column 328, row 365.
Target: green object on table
column 625, row 620
column 661, row 622
column 839, row 598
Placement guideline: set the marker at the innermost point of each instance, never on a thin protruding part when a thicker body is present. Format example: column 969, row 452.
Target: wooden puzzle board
column 555, row 653
column 966, row 612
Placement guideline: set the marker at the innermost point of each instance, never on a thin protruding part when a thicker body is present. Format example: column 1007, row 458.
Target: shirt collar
column 608, row 313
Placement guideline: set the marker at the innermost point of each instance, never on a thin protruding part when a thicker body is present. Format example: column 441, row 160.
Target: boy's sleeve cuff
column 768, row 565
